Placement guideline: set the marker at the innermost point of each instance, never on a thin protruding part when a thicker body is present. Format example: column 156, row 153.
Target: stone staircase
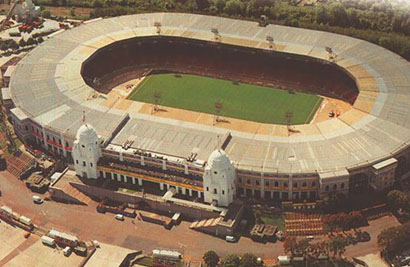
column 205, row 224
column 76, row 194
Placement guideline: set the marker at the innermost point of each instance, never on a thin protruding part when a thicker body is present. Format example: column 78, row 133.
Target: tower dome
column 218, row 160
column 86, row 133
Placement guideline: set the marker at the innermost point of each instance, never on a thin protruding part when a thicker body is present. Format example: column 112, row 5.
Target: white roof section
column 5, row 93
column 385, row 163
column 54, row 233
column 376, row 128
column 10, row 70
column 19, row 114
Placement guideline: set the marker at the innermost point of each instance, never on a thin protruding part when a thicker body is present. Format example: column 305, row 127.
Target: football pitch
column 236, row 100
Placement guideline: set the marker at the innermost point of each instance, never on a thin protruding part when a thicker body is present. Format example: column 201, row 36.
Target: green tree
column 231, row 260
column 46, row 14
column 220, row 5
column 30, row 41
column 3, row 46
column 338, row 14
column 99, row 4
column 211, row 259
column 234, row 7
column 22, row 43
column 202, row 4
column 249, row 260
column 396, row 199
column 13, row 45
column 337, row 245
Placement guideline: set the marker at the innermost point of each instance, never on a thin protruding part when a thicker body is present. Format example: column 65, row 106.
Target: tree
column 231, row 260
column 249, row 260
column 337, row 245
column 202, row 4
column 234, row 7
column 397, row 199
column 46, row 14
column 211, row 259
column 22, row 43
column 220, row 5
column 99, row 4
column 290, row 244
column 3, row 46
column 30, row 41
column 338, row 15
column 13, row 45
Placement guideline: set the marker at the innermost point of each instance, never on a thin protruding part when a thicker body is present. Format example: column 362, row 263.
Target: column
column 125, row 178
column 167, row 187
column 290, row 197
column 164, row 164
column 186, row 168
column 118, row 177
column 262, row 187
column 161, row 186
column 133, row 180
column 121, row 155
column 183, row 190
column 44, row 137
column 104, row 174
column 190, row 192
column 63, row 144
column 142, row 161
column 139, row 181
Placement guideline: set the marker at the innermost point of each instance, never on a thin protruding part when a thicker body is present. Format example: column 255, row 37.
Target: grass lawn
column 239, row 100
column 146, row 261
column 278, row 220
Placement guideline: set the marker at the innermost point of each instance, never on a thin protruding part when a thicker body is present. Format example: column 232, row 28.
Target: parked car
column 230, row 238
column 119, row 217
column 38, row 200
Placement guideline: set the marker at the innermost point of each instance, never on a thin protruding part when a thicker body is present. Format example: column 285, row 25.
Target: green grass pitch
column 239, row 100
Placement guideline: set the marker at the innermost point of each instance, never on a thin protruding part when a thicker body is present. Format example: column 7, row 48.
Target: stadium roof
column 48, row 88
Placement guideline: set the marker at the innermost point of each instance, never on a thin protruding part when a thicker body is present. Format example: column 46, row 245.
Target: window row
column 277, row 183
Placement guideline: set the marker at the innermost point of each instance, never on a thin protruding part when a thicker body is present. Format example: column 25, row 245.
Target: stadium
column 281, row 150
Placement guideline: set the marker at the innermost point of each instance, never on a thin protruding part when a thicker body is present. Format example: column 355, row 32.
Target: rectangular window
column 215, row 191
column 84, row 164
column 76, row 161
column 223, row 192
column 207, row 189
column 91, row 164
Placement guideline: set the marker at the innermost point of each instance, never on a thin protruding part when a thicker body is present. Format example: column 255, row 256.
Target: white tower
column 219, row 179
column 86, row 152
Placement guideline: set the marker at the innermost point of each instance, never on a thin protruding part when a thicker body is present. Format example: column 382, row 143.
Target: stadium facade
column 365, row 148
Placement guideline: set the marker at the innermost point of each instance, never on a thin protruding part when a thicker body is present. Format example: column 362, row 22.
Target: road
column 87, row 224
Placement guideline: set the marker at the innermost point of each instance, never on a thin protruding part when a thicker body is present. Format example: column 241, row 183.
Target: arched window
column 334, row 186
column 304, row 184
column 342, row 185
column 295, row 185
column 276, row 183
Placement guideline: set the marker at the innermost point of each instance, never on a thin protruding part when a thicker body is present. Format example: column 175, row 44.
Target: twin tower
column 219, row 178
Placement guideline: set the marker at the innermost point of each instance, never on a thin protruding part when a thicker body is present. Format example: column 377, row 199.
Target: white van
column 230, row 238
column 67, row 251
column 37, row 200
column 119, row 217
